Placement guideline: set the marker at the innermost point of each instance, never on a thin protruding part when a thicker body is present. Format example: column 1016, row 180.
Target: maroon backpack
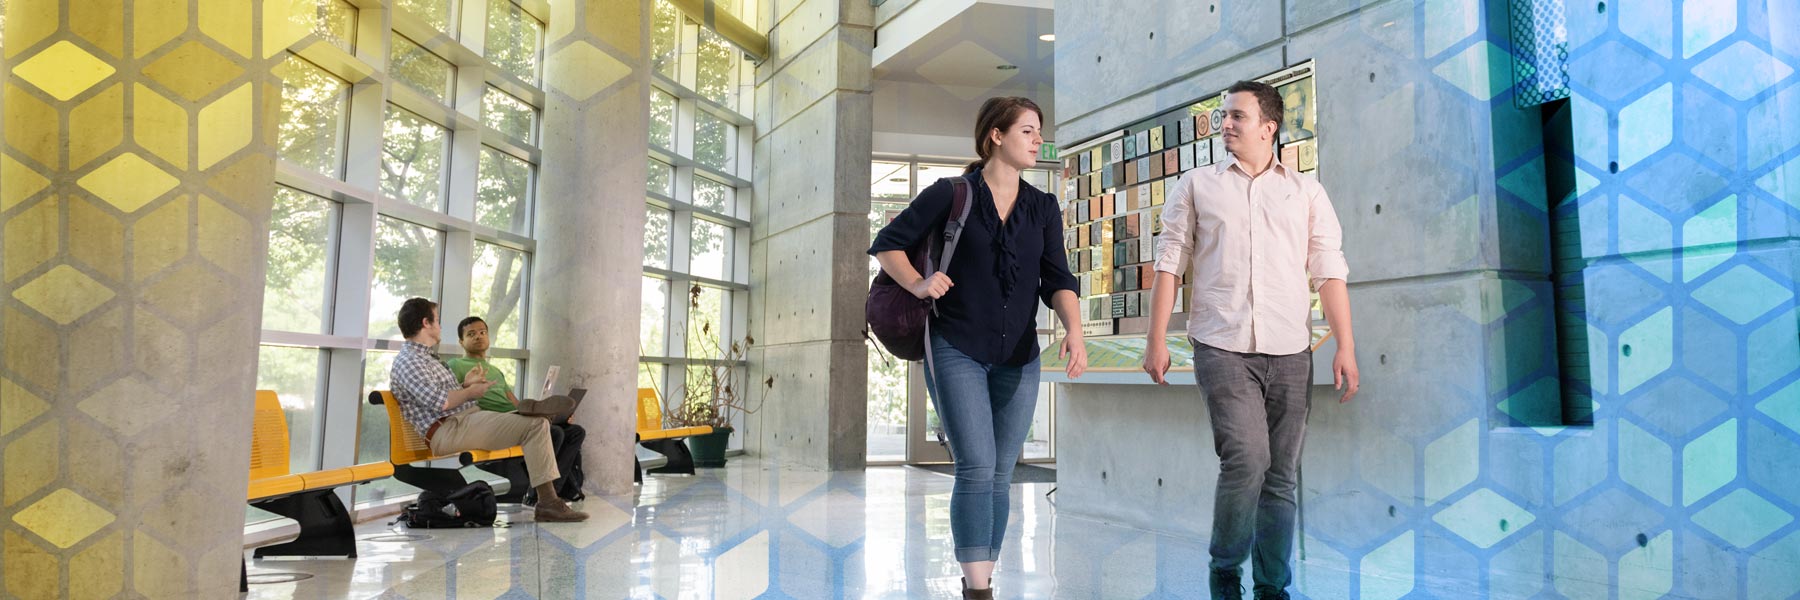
column 898, row 319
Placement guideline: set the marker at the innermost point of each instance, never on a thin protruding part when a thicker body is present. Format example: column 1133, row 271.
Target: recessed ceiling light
column 1008, row 67
column 1048, row 37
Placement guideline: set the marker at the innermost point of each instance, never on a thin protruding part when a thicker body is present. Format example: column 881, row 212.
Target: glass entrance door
column 902, row 423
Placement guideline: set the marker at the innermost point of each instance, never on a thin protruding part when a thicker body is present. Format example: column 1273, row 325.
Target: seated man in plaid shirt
column 434, row 403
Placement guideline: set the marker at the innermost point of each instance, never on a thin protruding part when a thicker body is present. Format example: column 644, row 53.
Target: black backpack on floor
column 473, row 505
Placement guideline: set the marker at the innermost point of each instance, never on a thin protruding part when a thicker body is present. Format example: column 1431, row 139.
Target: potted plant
column 711, row 394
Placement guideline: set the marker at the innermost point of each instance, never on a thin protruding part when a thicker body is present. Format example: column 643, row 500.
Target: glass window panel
column 502, row 185
column 665, row 39
column 656, row 238
column 662, row 120
column 708, row 251
column 651, row 375
column 744, row 10
column 890, row 180
column 512, row 39
column 716, row 62
column 508, row 115
column 511, row 368
column 713, row 196
column 406, row 266
column 337, row 23
column 294, row 374
column 708, row 322
column 297, row 286
column 412, row 159
column 714, row 140
column 653, row 318
column 497, row 283
column 662, row 178
column 435, row 13
column 887, row 406
column 314, row 107
column 421, row 70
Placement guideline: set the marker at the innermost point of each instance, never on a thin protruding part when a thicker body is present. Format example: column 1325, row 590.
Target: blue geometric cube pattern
column 1686, row 138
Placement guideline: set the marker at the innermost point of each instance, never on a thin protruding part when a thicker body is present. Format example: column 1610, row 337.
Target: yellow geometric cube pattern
column 63, row 518
column 64, row 70
column 135, row 184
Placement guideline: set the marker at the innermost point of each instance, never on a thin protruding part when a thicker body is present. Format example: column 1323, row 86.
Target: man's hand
column 1156, row 361
column 932, row 287
column 479, row 388
column 1344, row 374
column 1075, row 350
column 475, row 375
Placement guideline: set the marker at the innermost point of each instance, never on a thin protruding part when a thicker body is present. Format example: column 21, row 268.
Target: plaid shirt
column 421, row 384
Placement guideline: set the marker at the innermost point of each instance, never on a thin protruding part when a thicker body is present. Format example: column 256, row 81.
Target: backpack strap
column 960, row 205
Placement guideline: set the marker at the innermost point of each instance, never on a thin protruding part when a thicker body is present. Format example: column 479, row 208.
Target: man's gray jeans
column 1258, row 404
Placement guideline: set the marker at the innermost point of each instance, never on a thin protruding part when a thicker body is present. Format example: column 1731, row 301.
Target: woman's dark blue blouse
column 987, row 314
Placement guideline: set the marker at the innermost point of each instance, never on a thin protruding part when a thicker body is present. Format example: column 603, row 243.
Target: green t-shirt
column 495, row 399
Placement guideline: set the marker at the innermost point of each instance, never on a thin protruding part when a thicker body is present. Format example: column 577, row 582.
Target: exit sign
column 1047, row 151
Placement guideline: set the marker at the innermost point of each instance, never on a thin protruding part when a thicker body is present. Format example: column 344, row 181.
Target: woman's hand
column 1075, row 350
column 932, row 287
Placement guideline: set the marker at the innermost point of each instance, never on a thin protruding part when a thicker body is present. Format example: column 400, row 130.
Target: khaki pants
column 486, row 430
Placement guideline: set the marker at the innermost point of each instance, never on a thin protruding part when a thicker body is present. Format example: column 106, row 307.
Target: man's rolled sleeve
column 1176, row 242
column 1325, row 239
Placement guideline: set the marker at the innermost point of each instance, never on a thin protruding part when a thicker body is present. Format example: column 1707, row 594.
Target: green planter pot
column 709, row 449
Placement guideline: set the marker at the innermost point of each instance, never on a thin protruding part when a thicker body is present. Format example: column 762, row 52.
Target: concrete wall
column 1429, row 478
column 808, row 271
column 131, row 294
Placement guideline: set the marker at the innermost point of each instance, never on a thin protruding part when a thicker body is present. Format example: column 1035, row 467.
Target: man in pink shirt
column 1259, row 237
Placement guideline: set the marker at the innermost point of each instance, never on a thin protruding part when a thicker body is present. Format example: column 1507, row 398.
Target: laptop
column 557, row 409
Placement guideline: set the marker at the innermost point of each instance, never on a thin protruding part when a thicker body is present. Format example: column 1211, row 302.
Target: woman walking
column 983, row 369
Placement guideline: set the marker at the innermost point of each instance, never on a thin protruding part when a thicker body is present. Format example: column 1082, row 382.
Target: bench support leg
column 518, row 480
column 325, row 526
column 680, row 460
column 430, row 478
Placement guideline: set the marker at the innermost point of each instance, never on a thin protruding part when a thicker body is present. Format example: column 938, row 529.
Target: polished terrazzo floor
column 747, row 531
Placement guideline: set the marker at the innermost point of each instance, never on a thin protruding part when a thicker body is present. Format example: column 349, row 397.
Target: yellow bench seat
column 678, row 432
column 307, row 498
column 279, row 485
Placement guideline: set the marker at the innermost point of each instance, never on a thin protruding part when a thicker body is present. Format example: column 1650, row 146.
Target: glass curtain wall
column 407, row 167
column 697, row 204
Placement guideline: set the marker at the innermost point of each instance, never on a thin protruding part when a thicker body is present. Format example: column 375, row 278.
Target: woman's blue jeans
column 986, row 411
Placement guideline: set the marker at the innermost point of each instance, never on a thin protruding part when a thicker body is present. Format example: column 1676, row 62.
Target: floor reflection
column 748, row 531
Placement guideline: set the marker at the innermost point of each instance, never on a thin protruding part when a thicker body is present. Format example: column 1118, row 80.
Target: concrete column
column 814, row 114
column 590, row 216
column 135, row 196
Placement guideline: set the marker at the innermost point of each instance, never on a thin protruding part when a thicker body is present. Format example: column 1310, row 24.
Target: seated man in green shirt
column 566, row 438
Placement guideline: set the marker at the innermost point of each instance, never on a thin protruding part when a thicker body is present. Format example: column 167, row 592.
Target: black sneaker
column 1275, row 595
column 1226, row 584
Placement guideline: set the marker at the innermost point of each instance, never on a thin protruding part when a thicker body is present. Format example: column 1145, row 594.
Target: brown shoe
column 557, row 512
